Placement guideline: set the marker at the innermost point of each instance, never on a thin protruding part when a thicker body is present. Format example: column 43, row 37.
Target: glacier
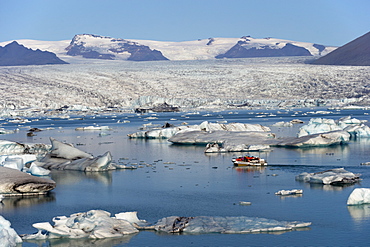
column 256, row 83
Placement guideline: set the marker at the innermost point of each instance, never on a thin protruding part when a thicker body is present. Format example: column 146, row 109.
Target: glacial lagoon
column 181, row 180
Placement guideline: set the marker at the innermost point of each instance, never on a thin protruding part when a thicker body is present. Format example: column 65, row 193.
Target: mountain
column 88, row 46
column 356, row 52
column 14, row 54
column 98, row 47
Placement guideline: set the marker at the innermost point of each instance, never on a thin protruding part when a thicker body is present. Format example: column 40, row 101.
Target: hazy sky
column 327, row 22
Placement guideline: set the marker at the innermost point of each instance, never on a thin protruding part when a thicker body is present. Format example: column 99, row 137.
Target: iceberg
column 63, row 156
column 204, row 126
column 232, row 147
column 95, row 224
column 322, row 125
column 289, row 192
column 10, row 147
column 8, row 235
column 237, row 224
column 315, row 140
column 14, row 182
column 337, row 176
column 359, row 196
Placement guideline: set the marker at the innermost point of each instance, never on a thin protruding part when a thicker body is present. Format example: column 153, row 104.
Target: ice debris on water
column 8, row 236
column 99, row 224
column 289, row 192
column 337, row 176
column 359, row 196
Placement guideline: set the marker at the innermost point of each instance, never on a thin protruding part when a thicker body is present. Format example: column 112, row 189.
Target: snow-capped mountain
column 99, row 47
column 85, row 46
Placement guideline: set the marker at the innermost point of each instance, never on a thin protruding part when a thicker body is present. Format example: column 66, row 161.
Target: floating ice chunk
column 324, row 139
column 204, row 127
column 289, row 192
column 14, row 182
column 359, row 196
column 93, row 164
column 337, row 176
column 93, row 128
column 322, row 125
column 66, row 151
column 37, row 170
column 208, row 224
column 8, row 236
column 130, row 217
column 95, row 224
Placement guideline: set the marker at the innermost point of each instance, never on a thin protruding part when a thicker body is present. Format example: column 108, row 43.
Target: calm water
column 197, row 184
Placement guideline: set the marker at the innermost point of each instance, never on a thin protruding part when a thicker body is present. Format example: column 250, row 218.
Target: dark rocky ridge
column 137, row 52
column 239, row 51
column 14, row 54
column 356, row 53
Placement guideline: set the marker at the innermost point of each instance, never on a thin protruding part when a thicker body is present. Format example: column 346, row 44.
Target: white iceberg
column 322, row 125
column 283, row 124
column 204, row 126
column 93, row 128
column 17, row 161
column 14, row 182
column 63, row 156
column 337, row 176
column 359, row 196
column 8, row 236
column 315, row 140
column 289, row 192
column 237, row 224
column 96, row 224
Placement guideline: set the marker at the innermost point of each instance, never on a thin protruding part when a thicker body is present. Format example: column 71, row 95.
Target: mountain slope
column 85, row 47
column 356, row 52
column 98, row 47
column 14, row 54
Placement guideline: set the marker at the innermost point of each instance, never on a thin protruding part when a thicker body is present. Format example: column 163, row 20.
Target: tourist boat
column 249, row 161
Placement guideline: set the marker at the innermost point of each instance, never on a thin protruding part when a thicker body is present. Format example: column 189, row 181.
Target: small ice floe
column 245, row 203
column 359, row 196
column 289, row 192
column 1, row 198
column 8, row 236
column 365, row 164
column 337, row 176
column 93, row 128
column 96, row 224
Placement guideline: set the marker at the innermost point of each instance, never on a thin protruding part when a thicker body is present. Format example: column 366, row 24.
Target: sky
column 326, row 22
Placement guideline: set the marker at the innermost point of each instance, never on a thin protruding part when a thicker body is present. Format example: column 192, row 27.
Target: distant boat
column 249, row 161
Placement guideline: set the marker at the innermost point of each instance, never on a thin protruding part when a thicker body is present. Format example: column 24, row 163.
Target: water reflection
column 326, row 187
column 10, row 203
column 72, row 177
column 65, row 242
column 359, row 212
column 250, row 169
